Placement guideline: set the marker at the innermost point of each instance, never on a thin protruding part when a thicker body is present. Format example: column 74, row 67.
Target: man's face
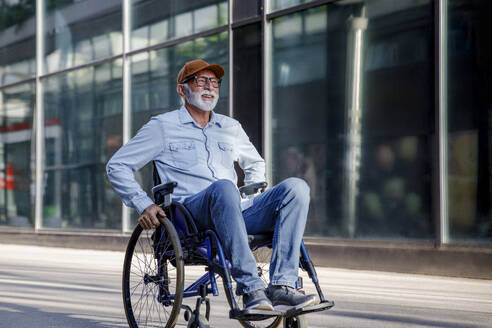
column 201, row 92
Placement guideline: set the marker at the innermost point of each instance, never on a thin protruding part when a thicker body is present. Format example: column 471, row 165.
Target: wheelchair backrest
column 178, row 214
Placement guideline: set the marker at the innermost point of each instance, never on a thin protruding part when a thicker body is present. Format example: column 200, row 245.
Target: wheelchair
column 154, row 272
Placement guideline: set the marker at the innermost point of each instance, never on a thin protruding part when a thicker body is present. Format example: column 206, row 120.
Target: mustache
column 208, row 92
column 189, row 92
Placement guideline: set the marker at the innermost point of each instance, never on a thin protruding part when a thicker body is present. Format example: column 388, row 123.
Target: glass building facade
column 382, row 106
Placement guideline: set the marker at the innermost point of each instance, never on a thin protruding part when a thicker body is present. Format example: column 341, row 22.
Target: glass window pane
column 154, row 76
column 81, row 31
column 469, row 121
column 156, row 21
column 83, row 129
column 353, row 115
column 17, row 157
column 17, row 41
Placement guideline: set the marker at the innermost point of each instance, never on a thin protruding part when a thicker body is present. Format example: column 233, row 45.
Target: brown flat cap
column 197, row 65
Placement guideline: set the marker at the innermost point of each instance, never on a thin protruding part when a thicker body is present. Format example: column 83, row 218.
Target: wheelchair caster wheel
column 187, row 315
column 198, row 322
column 295, row 322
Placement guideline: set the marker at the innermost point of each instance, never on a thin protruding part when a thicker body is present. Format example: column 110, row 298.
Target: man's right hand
column 148, row 218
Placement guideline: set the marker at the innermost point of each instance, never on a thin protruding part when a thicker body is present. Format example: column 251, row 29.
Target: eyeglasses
column 201, row 81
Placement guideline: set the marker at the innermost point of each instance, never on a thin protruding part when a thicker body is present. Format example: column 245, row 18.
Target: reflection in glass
column 355, row 126
column 282, row 4
column 17, row 41
column 83, row 128
column 154, row 75
column 17, row 161
column 78, row 32
column 469, row 121
column 156, row 21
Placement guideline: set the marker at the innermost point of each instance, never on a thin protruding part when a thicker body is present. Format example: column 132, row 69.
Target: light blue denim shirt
column 186, row 153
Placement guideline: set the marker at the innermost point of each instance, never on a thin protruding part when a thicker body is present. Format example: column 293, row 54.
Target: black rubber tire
column 298, row 322
column 262, row 256
column 140, row 271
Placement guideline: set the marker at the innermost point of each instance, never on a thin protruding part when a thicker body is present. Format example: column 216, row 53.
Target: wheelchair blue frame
column 202, row 245
column 199, row 243
column 204, row 248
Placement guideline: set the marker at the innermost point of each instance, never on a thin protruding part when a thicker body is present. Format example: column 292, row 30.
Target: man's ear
column 180, row 90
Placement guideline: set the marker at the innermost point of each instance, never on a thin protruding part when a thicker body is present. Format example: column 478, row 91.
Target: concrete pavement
column 57, row 287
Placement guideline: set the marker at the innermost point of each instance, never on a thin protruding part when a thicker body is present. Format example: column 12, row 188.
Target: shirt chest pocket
column 226, row 151
column 183, row 154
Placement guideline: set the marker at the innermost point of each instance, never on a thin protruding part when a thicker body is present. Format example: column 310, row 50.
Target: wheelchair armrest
column 162, row 193
column 252, row 188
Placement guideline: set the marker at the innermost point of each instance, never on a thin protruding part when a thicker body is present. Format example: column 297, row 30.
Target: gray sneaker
column 257, row 300
column 284, row 297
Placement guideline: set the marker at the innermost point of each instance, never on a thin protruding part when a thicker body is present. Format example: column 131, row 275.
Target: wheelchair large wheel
column 262, row 256
column 153, row 277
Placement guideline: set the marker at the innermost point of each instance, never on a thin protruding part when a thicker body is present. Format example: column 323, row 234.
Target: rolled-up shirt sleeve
column 141, row 149
column 249, row 159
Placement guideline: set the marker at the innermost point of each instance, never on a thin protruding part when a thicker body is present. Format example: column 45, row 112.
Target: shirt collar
column 185, row 117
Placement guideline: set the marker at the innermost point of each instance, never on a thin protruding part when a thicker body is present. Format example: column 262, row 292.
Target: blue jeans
column 282, row 210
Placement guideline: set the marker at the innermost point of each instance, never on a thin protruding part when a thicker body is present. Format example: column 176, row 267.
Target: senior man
column 197, row 147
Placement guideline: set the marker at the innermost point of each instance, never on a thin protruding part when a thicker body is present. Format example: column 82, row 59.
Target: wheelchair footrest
column 252, row 315
column 326, row 305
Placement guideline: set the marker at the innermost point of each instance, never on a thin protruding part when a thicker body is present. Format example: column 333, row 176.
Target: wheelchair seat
column 260, row 240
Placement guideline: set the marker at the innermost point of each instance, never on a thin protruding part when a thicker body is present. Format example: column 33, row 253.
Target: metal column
column 39, row 115
column 357, row 26
column 125, row 213
column 267, row 93
column 442, row 128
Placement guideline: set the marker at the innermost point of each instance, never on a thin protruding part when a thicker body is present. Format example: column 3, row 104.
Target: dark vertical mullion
column 32, row 154
column 3, row 123
column 483, row 179
column 262, row 88
column 149, row 74
column 67, row 120
column 171, row 52
column 98, row 120
column 436, row 171
column 248, row 83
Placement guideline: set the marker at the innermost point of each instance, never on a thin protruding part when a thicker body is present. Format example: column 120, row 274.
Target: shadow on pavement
column 18, row 316
column 401, row 319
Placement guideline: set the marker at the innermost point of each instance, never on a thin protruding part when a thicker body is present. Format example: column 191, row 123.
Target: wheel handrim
column 151, row 278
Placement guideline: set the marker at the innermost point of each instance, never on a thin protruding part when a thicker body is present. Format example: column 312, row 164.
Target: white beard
column 195, row 99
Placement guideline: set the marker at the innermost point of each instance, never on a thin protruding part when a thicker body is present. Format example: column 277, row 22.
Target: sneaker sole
column 285, row 307
column 260, row 306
